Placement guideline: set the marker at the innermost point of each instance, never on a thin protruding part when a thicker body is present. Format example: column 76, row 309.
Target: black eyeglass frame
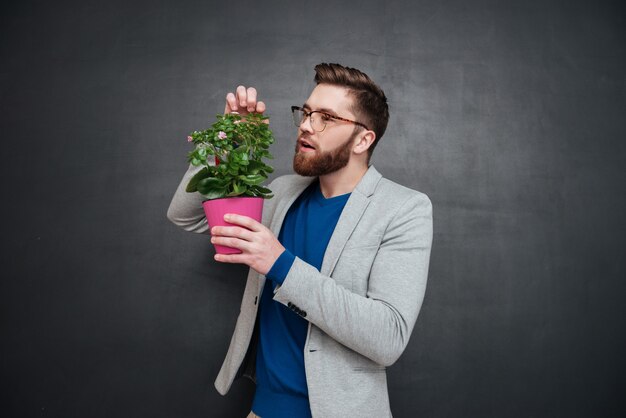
column 308, row 114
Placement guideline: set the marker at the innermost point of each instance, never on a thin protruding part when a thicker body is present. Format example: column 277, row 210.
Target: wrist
column 279, row 270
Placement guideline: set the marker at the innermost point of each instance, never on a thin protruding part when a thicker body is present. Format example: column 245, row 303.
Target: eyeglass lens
column 317, row 122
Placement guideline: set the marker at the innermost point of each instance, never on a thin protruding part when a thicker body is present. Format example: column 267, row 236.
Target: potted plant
column 233, row 183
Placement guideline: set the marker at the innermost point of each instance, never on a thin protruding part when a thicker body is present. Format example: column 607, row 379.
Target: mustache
column 304, row 141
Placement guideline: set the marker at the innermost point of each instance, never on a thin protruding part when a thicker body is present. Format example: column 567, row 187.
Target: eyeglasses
column 318, row 118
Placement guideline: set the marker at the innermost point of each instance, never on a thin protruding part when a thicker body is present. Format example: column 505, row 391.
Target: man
column 332, row 301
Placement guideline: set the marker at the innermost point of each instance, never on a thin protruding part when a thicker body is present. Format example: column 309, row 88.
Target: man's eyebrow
column 323, row 109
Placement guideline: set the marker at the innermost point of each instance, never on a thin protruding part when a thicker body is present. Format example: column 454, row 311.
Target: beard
column 323, row 163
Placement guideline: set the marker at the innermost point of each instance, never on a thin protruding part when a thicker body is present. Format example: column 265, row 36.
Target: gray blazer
column 361, row 306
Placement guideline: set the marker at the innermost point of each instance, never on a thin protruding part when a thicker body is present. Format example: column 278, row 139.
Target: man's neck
column 342, row 181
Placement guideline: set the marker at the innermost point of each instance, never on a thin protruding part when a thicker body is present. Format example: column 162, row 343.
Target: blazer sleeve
column 378, row 325
column 186, row 210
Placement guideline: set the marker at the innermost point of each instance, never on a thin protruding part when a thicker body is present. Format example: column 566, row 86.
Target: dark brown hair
column 370, row 102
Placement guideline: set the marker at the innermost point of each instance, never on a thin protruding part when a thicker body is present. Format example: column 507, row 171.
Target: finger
column 231, row 103
column 260, row 107
column 251, row 92
column 230, row 258
column 244, row 221
column 230, row 242
column 232, row 231
column 241, row 96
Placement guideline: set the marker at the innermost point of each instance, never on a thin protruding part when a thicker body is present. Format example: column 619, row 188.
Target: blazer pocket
column 376, row 369
column 363, row 242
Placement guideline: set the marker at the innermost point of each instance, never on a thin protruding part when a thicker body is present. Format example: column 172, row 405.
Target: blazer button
column 303, row 314
column 290, row 305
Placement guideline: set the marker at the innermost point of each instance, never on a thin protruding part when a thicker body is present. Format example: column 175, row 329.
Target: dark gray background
column 509, row 115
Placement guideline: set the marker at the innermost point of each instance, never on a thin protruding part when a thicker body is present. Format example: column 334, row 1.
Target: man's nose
column 307, row 125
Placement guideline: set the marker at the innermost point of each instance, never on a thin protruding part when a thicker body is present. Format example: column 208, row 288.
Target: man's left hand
column 259, row 246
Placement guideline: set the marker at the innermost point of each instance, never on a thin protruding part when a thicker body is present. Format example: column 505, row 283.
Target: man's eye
column 326, row 117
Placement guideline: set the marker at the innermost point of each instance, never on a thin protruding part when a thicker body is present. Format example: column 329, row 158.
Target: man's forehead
column 329, row 98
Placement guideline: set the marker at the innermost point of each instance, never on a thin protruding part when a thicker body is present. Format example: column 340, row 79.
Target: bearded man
column 338, row 266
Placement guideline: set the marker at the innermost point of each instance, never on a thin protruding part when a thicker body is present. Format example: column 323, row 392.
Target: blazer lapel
column 290, row 192
column 349, row 218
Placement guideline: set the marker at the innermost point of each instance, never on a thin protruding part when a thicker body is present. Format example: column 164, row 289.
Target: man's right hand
column 243, row 101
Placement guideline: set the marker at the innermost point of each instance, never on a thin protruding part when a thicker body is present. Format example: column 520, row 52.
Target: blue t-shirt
column 280, row 375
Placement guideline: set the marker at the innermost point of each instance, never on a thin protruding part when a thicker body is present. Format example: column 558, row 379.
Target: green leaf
column 205, row 185
column 252, row 180
column 255, row 166
column 215, row 194
column 192, row 186
column 263, row 189
column 238, row 191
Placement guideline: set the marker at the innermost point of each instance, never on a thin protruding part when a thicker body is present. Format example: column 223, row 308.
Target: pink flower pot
column 216, row 209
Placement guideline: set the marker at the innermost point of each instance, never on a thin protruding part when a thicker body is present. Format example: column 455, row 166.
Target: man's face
column 320, row 153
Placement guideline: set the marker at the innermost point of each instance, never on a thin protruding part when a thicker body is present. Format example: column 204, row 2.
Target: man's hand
column 260, row 248
column 243, row 102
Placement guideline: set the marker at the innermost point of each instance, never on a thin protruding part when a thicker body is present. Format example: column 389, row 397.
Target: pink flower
column 222, row 135
column 189, row 138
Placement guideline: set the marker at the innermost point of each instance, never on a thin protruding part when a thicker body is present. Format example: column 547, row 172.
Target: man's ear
column 363, row 142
